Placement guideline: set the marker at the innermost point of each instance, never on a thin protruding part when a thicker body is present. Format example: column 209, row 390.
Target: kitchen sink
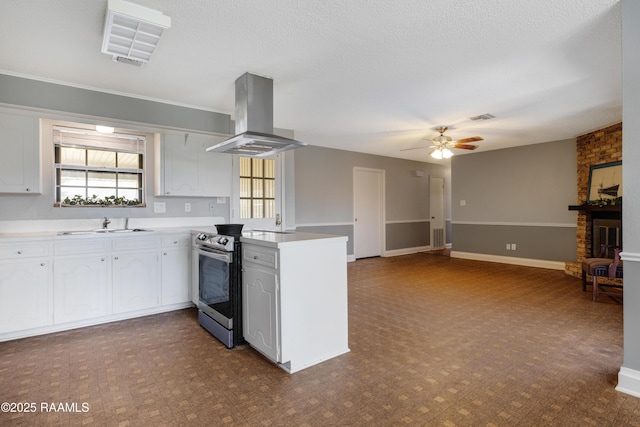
column 101, row 231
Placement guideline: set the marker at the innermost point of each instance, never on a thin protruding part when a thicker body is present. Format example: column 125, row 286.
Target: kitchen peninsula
column 295, row 296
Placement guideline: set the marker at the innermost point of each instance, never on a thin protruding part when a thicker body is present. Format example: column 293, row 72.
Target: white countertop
column 279, row 239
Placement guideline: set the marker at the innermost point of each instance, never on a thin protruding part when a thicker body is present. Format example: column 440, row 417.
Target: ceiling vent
column 486, row 116
column 132, row 32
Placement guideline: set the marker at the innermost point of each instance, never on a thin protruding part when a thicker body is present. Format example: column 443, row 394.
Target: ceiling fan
column 442, row 144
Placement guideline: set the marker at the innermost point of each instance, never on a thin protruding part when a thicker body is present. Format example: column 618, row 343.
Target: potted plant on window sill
column 95, row 201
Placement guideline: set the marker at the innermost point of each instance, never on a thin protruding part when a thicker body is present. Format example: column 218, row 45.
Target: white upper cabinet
column 19, row 154
column 184, row 168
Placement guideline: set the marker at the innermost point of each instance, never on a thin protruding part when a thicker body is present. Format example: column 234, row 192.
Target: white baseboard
column 406, row 251
column 527, row 262
column 629, row 381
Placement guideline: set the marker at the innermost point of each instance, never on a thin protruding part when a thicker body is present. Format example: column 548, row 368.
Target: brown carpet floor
column 434, row 341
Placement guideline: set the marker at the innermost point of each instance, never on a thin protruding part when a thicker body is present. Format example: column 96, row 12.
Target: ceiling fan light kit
column 442, row 144
column 441, row 153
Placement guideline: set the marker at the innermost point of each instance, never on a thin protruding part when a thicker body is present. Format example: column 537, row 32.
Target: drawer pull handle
column 164, row 253
column 255, row 257
column 175, row 242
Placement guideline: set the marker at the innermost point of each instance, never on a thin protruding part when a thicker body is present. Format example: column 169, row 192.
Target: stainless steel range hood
column 254, row 121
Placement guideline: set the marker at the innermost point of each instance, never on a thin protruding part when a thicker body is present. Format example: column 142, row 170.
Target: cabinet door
column 175, row 275
column 188, row 170
column 136, row 284
column 24, row 295
column 19, row 154
column 80, row 288
column 260, row 311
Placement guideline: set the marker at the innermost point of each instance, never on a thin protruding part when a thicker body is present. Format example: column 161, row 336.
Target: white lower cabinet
column 70, row 281
column 175, row 267
column 81, row 288
column 260, row 310
column 135, row 281
column 24, row 294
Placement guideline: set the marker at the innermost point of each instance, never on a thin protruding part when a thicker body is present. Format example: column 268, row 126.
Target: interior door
column 436, row 212
column 368, row 194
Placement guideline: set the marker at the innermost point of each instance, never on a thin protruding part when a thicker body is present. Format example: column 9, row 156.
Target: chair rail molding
column 630, row 256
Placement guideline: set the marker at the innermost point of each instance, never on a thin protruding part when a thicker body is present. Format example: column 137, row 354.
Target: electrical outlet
column 513, row 246
column 508, row 246
column 159, row 207
column 187, row 207
column 212, row 207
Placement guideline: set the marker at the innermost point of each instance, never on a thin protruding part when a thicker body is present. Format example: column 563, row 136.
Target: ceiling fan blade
column 465, row 146
column 416, row 148
column 471, row 139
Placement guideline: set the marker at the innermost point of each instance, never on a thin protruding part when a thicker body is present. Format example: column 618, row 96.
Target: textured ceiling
column 361, row 75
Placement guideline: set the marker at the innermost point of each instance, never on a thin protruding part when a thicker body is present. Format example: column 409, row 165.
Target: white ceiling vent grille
column 132, row 32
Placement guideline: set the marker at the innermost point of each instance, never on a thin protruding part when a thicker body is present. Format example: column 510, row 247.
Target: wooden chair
column 591, row 265
column 612, row 288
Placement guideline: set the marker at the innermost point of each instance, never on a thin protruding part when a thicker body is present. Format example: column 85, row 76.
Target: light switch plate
column 159, row 207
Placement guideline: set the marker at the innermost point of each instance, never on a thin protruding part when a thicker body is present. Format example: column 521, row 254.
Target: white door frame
column 433, row 202
column 382, row 238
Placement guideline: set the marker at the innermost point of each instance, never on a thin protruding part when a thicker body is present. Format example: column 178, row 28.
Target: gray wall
column 68, row 99
column 631, row 180
column 59, row 102
column 324, row 194
column 517, row 195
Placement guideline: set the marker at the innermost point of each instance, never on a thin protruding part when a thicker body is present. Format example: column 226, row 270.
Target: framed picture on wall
column 605, row 181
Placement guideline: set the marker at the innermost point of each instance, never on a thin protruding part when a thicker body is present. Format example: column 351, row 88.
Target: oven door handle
column 218, row 256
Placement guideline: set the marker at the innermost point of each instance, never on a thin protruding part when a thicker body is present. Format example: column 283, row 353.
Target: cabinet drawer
column 24, row 250
column 176, row 241
column 261, row 257
column 134, row 243
column 80, row 246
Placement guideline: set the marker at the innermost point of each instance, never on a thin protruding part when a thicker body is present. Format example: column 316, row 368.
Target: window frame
column 252, row 180
column 124, row 142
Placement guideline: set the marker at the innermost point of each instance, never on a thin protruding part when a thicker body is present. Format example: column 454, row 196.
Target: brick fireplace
column 595, row 148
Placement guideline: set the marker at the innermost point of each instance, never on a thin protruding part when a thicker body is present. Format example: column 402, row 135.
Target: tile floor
column 434, row 341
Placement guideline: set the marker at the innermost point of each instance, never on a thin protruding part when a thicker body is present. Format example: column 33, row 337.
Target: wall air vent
column 486, row 116
column 132, row 32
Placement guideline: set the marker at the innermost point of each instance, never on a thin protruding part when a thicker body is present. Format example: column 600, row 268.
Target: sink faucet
column 105, row 222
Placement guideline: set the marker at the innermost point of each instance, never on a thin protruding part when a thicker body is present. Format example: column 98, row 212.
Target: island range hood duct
column 254, row 121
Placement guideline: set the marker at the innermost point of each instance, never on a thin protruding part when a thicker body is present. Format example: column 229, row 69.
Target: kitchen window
column 98, row 169
column 257, row 188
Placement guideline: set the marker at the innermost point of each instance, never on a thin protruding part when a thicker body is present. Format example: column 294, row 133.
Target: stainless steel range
column 220, row 287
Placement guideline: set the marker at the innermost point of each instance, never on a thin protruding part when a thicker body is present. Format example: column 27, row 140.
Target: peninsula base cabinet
column 295, row 299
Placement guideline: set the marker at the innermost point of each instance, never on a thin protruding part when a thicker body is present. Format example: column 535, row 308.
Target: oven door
column 214, row 280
